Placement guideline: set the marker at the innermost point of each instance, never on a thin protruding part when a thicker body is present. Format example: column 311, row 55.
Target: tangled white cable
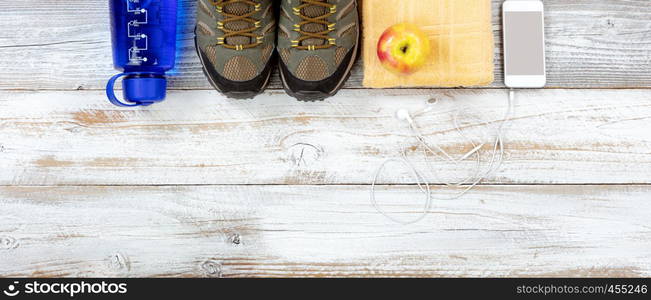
column 466, row 184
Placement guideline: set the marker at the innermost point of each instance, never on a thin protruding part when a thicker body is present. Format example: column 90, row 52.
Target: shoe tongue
column 314, row 11
column 238, row 9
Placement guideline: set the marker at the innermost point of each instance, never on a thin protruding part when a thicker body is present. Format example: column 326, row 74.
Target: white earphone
column 466, row 184
column 403, row 115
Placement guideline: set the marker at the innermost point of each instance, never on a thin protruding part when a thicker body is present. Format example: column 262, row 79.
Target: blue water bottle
column 144, row 42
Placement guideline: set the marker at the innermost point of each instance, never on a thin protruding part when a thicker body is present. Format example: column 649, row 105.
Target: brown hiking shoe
column 317, row 43
column 235, row 41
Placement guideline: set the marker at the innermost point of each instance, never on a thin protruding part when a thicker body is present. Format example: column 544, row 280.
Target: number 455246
column 627, row 289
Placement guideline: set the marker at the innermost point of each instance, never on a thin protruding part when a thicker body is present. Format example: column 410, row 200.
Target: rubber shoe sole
column 314, row 94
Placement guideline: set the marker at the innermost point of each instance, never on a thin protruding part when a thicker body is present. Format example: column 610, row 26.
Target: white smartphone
column 524, row 44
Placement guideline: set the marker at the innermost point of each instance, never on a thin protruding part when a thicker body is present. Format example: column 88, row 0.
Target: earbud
column 403, row 115
column 463, row 186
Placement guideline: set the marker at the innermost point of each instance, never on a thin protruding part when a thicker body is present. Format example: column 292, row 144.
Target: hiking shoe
column 235, row 42
column 317, row 43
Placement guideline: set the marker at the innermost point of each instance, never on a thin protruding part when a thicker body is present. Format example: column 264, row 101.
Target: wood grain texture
column 238, row 231
column 47, row 45
column 201, row 186
column 199, row 137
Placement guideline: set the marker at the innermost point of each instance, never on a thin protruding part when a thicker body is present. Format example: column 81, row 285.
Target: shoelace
column 245, row 32
column 322, row 20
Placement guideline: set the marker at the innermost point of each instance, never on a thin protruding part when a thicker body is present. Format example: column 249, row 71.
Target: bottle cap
column 139, row 89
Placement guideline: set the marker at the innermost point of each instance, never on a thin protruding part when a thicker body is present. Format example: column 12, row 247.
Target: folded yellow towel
column 461, row 38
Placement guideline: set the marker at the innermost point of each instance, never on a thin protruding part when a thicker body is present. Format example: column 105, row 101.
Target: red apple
column 403, row 48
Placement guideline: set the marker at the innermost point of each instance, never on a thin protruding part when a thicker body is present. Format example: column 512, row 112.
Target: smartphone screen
column 524, row 52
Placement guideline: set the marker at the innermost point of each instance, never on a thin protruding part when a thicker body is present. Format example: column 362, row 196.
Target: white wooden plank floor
column 234, row 231
column 199, row 137
column 204, row 186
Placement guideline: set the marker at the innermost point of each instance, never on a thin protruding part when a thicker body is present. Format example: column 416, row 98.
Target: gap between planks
column 326, row 185
column 433, row 89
